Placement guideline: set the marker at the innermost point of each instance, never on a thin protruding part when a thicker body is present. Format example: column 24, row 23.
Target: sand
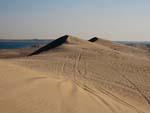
column 15, row 53
column 120, row 47
column 76, row 76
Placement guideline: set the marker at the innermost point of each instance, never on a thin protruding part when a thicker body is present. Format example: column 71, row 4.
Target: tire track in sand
column 134, row 85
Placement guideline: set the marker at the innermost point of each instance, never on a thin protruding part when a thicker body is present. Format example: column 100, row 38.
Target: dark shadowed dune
column 101, row 41
column 93, row 39
column 51, row 45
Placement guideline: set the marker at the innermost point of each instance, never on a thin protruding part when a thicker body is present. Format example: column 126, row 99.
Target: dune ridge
column 51, row 45
column 56, row 43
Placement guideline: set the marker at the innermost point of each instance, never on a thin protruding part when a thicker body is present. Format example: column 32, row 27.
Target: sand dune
column 56, row 43
column 71, row 75
column 120, row 47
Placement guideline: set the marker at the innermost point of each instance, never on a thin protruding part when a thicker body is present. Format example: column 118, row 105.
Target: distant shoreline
column 24, row 43
column 16, row 44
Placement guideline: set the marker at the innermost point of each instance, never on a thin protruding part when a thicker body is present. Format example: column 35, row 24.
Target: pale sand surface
column 15, row 53
column 77, row 77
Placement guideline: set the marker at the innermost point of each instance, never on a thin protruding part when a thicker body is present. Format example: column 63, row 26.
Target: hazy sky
column 110, row 19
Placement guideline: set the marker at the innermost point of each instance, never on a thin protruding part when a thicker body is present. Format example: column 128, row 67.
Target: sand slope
column 76, row 76
column 120, row 47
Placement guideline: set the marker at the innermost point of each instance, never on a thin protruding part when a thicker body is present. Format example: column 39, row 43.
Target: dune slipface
column 51, row 45
column 93, row 39
column 71, row 75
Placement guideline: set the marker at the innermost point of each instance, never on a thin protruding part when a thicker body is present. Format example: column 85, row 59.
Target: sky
column 109, row 19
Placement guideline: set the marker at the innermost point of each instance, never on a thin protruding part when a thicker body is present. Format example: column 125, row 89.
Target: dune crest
column 66, row 39
column 51, row 45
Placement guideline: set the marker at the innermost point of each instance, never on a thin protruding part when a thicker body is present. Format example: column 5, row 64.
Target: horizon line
column 39, row 37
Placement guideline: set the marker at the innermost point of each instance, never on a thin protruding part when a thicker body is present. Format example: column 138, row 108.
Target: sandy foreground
column 77, row 76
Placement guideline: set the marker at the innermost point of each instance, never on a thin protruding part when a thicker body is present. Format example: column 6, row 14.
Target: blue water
column 6, row 44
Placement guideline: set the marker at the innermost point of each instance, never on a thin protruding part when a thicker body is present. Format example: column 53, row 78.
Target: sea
column 16, row 44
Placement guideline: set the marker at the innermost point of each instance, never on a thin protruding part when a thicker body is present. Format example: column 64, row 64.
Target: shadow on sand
column 51, row 45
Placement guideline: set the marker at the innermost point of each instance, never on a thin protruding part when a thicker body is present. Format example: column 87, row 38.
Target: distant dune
column 119, row 47
column 71, row 75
